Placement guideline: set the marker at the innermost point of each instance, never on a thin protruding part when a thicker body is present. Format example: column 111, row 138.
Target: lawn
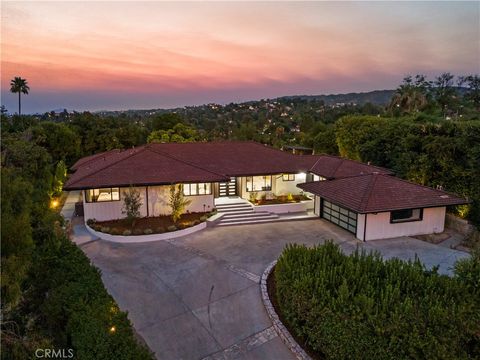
column 149, row 225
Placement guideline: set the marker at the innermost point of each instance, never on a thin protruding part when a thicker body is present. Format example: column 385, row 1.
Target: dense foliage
column 361, row 307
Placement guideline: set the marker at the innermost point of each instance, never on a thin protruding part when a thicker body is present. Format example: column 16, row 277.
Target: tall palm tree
column 20, row 86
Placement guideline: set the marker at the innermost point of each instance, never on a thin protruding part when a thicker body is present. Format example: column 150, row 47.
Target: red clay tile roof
column 141, row 166
column 201, row 162
column 333, row 167
column 379, row 192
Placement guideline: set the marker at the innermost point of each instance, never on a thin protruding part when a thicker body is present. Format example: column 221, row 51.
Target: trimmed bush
column 172, row 228
column 105, row 229
column 361, row 307
column 203, row 218
column 160, row 230
column 148, row 231
column 182, row 226
column 90, row 222
column 137, row 232
column 115, row 231
column 127, row 233
column 195, row 222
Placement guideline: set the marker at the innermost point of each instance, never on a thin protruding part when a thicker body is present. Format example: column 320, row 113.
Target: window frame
column 289, row 177
column 406, row 220
column 87, row 197
column 197, row 188
column 265, row 177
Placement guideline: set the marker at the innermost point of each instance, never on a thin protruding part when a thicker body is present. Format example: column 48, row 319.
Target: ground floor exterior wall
column 279, row 186
column 154, row 201
column 379, row 226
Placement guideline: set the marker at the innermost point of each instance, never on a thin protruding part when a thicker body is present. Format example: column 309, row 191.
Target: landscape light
column 113, row 329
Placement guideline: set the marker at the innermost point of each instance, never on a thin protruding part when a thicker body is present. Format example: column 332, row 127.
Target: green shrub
column 172, row 228
column 182, row 226
column 160, row 230
column 96, row 227
column 361, row 307
column 90, row 222
column 148, row 231
column 105, row 229
column 115, row 231
column 137, row 231
column 127, row 233
column 203, row 218
column 195, row 222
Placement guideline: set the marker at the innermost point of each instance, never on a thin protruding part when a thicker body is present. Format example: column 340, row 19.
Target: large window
column 197, row 189
column 259, row 183
column 406, row 215
column 288, row 177
column 102, row 195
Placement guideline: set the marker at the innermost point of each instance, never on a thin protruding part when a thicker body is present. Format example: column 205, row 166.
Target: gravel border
column 280, row 329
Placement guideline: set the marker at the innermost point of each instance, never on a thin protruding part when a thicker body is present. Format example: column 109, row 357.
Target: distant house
column 365, row 200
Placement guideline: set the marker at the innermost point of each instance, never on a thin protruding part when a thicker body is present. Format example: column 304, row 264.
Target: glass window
column 288, row 177
column 259, row 183
column 406, row 215
column 102, row 195
column 197, row 189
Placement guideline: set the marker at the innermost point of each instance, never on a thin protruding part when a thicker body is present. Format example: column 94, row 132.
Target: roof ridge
column 368, row 191
column 143, row 148
column 180, row 160
column 357, row 161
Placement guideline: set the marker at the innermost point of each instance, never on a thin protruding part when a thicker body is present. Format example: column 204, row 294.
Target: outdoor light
column 113, row 329
column 54, row 203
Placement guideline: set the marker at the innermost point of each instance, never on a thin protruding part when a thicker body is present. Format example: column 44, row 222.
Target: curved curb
column 147, row 238
column 280, row 329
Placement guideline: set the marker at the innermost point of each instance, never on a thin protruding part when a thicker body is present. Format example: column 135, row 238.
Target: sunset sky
column 124, row 55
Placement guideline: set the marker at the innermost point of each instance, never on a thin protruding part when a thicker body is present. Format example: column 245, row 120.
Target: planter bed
column 148, row 225
column 282, row 199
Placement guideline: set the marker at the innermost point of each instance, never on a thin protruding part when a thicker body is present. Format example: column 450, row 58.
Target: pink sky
column 120, row 55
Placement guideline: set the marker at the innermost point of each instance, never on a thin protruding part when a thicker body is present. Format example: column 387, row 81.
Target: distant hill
column 377, row 97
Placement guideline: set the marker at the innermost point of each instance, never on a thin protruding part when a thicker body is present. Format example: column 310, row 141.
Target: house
column 363, row 199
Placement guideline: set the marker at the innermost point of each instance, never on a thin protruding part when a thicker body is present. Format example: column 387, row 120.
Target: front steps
column 241, row 212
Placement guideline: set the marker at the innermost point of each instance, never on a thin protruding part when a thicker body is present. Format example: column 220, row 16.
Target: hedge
column 76, row 311
column 361, row 307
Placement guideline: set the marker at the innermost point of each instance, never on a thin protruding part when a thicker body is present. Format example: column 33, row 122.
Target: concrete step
column 228, row 205
column 248, row 218
column 251, row 222
column 236, row 211
column 235, row 215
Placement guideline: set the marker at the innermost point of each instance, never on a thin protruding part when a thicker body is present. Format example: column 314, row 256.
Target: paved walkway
column 69, row 206
column 198, row 297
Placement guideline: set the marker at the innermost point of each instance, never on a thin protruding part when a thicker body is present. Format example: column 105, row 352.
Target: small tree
column 131, row 205
column 59, row 178
column 178, row 202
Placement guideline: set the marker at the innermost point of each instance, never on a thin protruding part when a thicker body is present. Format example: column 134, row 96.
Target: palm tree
column 20, row 86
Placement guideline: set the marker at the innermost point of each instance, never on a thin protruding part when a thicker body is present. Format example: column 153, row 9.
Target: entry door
column 228, row 188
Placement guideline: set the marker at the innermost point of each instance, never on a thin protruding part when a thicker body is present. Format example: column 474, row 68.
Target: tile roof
column 379, row 192
column 332, row 167
column 201, row 162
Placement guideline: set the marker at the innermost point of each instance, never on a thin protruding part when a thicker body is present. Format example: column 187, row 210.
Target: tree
column 444, row 91
column 412, row 95
column 20, row 86
column 131, row 205
column 179, row 133
column 59, row 178
column 177, row 202
column 473, row 85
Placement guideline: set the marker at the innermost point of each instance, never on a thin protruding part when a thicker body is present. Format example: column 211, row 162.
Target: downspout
column 365, row 228
column 146, row 191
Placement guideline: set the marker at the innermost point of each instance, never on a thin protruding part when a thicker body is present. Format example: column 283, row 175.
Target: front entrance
column 339, row 215
column 228, row 188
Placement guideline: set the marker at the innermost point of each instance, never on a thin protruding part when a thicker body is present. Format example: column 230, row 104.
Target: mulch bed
column 272, row 293
column 157, row 224
column 283, row 199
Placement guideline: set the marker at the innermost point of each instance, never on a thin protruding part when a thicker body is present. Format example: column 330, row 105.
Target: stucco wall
column 158, row 197
column 317, row 205
column 379, row 227
column 279, row 187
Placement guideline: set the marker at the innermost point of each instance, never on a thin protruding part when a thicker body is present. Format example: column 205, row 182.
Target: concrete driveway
column 198, row 297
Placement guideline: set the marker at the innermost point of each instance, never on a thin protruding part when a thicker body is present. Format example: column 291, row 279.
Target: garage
column 340, row 216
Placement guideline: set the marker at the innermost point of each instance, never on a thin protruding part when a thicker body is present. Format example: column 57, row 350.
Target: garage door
column 340, row 216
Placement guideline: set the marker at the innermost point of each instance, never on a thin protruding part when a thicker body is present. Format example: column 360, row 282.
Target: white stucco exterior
column 158, row 197
column 379, row 226
column 279, row 186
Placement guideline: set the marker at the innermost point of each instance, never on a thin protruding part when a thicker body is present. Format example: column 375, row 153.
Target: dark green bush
column 76, row 310
column 137, row 232
column 172, row 228
column 361, row 307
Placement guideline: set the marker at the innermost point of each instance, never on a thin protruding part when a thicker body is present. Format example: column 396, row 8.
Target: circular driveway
column 198, row 297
